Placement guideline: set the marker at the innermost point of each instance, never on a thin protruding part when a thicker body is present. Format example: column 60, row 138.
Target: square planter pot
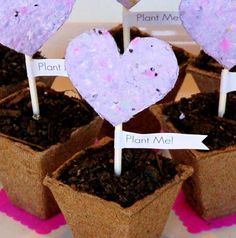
column 211, row 190
column 206, row 72
column 138, row 124
column 23, row 168
column 206, row 81
column 13, row 69
column 91, row 216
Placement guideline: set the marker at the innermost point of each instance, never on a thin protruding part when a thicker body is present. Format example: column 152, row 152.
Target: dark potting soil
column 59, row 116
column 181, row 55
column 198, row 115
column 12, row 66
column 117, row 34
column 143, row 171
column 205, row 62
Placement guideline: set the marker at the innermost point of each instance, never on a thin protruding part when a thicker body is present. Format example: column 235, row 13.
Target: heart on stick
column 26, row 25
column 212, row 24
column 128, row 3
column 119, row 86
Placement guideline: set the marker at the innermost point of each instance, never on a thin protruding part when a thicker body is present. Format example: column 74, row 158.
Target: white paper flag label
column 228, row 82
column 167, row 141
column 150, row 18
column 48, row 67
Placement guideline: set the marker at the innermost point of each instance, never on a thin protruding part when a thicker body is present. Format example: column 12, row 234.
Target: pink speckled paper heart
column 212, row 24
column 118, row 87
column 128, row 3
column 25, row 25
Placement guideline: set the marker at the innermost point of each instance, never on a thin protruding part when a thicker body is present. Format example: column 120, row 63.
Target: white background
column 88, row 14
column 111, row 10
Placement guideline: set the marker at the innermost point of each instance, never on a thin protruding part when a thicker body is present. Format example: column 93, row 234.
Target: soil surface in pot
column 181, row 55
column 143, row 171
column 205, row 62
column 198, row 115
column 12, row 66
column 60, row 115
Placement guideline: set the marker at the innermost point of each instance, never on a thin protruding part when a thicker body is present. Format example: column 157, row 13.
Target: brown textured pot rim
column 199, row 155
column 184, row 172
column 24, row 145
column 24, row 83
column 195, row 70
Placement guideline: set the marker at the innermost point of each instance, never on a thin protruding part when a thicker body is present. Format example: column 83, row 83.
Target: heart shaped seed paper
column 128, row 3
column 25, row 25
column 212, row 24
column 118, row 87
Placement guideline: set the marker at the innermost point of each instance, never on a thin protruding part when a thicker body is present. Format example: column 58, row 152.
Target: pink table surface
column 193, row 223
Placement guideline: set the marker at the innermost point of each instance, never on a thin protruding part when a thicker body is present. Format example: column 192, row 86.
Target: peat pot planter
column 91, row 216
column 211, row 191
column 24, row 164
column 206, row 72
column 13, row 76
